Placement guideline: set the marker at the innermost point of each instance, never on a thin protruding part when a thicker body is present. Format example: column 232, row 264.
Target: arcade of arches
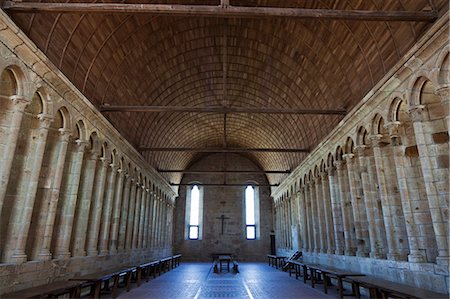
column 77, row 194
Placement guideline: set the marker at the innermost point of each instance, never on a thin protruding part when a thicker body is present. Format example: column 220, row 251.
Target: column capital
column 376, row 140
column 444, row 93
column 64, row 135
column 81, row 145
column 360, row 149
column 330, row 170
column 393, row 127
column 45, row 120
column 114, row 167
column 339, row 165
column 19, row 102
column 417, row 113
column 104, row 162
column 324, row 175
column 348, row 157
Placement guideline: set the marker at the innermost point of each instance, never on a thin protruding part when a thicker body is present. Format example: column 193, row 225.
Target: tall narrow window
column 194, row 214
column 250, row 222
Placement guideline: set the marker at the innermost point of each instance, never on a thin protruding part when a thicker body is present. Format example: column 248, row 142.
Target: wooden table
column 381, row 288
column 328, row 272
column 275, row 260
column 222, row 259
column 105, row 276
column 54, row 289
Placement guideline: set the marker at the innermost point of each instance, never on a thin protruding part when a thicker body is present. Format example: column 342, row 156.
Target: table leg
column 355, row 287
column 341, row 288
column 138, row 276
column 97, row 289
column 313, row 276
column 305, row 273
column 325, row 283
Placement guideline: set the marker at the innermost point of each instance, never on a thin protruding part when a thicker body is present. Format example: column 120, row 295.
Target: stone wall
column 373, row 197
column 229, row 201
column 75, row 197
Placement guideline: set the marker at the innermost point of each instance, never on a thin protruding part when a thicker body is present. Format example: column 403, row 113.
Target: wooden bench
column 294, row 257
column 54, row 289
column 176, row 260
column 235, row 266
column 216, row 266
column 275, row 260
column 145, row 270
column 105, row 277
column 165, row 264
column 381, row 288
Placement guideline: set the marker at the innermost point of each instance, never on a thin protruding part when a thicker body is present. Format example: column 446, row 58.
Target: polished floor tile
column 197, row 281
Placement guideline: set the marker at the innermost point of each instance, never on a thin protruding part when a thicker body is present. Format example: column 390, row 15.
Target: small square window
column 193, row 232
column 251, row 232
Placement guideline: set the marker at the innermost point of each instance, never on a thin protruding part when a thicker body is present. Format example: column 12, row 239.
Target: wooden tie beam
column 225, row 171
column 223, row 150
column 224, row 184
column 224, row 10
column 227, row 110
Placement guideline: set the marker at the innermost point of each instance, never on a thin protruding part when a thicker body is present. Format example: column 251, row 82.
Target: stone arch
column 349, row 146
column 339, row 153
column 330, row 160
column 443, row 67
column 362, row 136
column 64, row 114
column 8, row 83
column 19, row 77
column 114, row 157
column 323, row 166
column 378, row 125
column 94, row 141
column 80, row 132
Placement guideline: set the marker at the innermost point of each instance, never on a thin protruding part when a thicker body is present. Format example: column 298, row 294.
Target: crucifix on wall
column 223, row 218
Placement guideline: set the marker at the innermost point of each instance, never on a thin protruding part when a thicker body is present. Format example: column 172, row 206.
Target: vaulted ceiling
column 215, row 61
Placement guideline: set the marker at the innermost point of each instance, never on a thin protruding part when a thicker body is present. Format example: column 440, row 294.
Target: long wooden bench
column 176, row 260
column 54, row 289
column 275, row 260
column 380, row 288
column 106, row 277
column 145, row 270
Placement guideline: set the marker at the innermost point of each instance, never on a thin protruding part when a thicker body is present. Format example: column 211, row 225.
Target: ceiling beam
column 226, row 185
column 226, row 11
column 256, row 110
column 225, row 171
column 223, row 150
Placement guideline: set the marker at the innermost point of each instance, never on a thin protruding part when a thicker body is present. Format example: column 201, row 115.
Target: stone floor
column 255, row 280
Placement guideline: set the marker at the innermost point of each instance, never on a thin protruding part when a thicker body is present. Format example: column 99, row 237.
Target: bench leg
column 97, row 289
column 355, row 287
column 341, row 288
column 138, row 277
column 115, row 286
column 325, row 283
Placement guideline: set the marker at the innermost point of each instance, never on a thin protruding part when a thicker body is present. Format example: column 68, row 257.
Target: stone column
column 346, row 216
column 308, row 211
column 336, row 211
column 23, row 208
column 320, row 216
column 69, row 198
column 440, row 221
column 146, row 219
column 137, row 214
column 300, row 218
column 56, row 179
column 416, row 255
column 370, row 194
column 393, row 251
column 84, row 206
column 124, row 213
column 142, row 217
column 154, row 215
column 358, row 209
column 329, row 235
column 444, row 92
column 150, row 219
column 11, row 135
column 113, row 240
column 94, row 224
column 314, row 218
column 131, row 215
column 105, row 225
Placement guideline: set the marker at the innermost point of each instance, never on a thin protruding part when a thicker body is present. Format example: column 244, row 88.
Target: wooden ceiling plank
column 223, row 150
column 224, row 171
column 226, row 110
column 226, row 11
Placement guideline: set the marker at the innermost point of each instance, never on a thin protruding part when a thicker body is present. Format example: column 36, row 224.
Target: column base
column 377, row 255
column 18, row 258
column 350, row 252
column 113, row 251
column 44, row 255
column 394, row 256
column 361, row 253
column 339, row 252
column 63, row 255
column 417, row 257
column 103, row 252
column 79, row 253
column 92, row 253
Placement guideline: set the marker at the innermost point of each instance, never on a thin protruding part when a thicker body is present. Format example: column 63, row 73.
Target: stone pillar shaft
column 131, row 207
column 24, row 208
column 69, row 198
column 56, row 179
column 336, row 212
column 320, row 216
column 12, row 135
column 137, row 214
column 105, row 225
column 124, row 213
column 113, row 241
column 94, row 227
column 329, row 235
